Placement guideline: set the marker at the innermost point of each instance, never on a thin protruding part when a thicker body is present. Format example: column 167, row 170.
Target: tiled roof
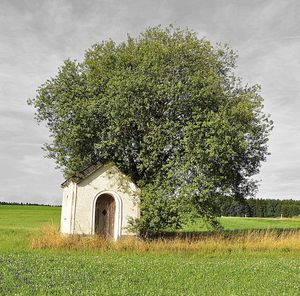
column 82, row 174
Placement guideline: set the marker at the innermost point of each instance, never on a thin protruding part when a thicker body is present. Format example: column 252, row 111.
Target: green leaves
column 167, row 108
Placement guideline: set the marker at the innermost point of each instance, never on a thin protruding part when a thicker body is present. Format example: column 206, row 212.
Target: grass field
column 19, row 223
column 24, row 271
column 236, row 223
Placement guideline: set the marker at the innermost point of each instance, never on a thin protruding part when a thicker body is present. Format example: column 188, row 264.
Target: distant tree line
column 230, row 206
column 25, row 204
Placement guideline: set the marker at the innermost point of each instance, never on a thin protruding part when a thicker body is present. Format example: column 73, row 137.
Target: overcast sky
column 36, row 36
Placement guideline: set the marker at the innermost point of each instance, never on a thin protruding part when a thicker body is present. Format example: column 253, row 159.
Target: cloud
column 36, row 36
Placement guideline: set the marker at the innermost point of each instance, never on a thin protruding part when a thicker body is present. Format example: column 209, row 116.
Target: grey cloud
column 36, row 36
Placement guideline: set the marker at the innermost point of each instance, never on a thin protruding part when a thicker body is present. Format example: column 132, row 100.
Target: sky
column 36, row 36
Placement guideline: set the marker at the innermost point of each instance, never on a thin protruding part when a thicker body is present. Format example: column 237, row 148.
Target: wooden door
column 105, row 216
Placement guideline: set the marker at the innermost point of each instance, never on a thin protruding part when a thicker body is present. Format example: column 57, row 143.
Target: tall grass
column 270, row 240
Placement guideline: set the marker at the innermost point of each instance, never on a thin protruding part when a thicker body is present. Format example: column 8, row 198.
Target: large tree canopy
column 167, row 108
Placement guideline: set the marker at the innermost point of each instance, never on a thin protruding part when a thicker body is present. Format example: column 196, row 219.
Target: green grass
column 27, row 217
column 240, row 223
column 44, row 272
column 110, row 273
column 19, row 223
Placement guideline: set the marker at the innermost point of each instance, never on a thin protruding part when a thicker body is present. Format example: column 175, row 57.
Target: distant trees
column 230, row 206
column 14, row 203
column 259, row 207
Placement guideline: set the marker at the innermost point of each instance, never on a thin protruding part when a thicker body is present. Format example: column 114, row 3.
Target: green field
column 19, row 223
column 45, row 272
column 237, row 223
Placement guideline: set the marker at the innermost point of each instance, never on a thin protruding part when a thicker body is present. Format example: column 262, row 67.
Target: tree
column 167, row 108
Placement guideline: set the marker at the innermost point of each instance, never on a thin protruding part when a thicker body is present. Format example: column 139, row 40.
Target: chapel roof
column 82, row 174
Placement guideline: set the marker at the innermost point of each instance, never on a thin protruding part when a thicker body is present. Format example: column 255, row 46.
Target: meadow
column 136, row 271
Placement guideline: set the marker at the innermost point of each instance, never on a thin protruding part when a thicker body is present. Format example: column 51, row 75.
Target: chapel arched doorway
column 105, row 211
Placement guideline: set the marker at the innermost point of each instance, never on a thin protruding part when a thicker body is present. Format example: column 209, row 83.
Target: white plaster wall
column 66, row 212
column 106, row 178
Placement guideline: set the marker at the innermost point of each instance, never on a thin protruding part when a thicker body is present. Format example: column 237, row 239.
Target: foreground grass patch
column 118, row 273
column 255, row 264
